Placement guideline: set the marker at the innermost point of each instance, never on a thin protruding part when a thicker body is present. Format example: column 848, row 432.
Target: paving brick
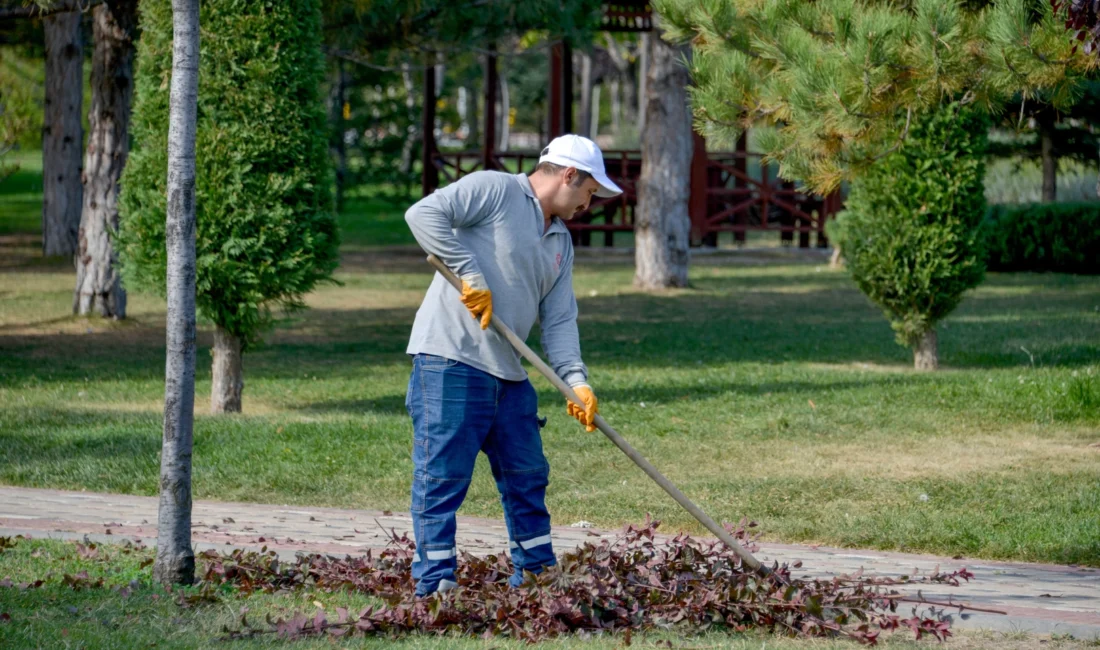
column 1039, row 598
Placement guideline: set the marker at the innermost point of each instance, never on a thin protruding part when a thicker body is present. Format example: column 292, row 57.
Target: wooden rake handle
column 746, row 558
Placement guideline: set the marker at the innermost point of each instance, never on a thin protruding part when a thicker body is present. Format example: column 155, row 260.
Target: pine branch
column 901, row 139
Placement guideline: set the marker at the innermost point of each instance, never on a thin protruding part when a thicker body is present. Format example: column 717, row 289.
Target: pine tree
column 265, row 230
column 911, row 231
column 838, row 89
column 837, row 82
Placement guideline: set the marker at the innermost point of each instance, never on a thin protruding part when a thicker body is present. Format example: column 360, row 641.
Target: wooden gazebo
column 727, row 193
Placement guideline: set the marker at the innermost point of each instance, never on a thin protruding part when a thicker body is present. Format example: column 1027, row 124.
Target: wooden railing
column 742, row 194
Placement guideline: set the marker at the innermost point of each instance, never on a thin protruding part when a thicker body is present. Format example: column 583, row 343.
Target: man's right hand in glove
column 478, row 299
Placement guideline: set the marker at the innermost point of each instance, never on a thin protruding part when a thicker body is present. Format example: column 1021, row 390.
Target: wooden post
column 566, row 88
column 554, row 125
column 786, row 236
column 430, row 175
column 766, row 194
column 489, row 137
column 803, row 235
column 697, row 201
column 740, row 163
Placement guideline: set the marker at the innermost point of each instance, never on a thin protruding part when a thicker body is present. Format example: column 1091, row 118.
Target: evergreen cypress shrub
column 265, row 229
column 1058, row 237
column 911, row 233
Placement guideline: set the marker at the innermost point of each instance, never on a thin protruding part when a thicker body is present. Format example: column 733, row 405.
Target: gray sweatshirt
column 487, row 227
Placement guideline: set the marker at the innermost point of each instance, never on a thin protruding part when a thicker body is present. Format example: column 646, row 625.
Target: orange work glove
column 586, row 414
column 478, row 300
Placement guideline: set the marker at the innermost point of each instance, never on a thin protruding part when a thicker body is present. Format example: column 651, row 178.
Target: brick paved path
column 1038, row 598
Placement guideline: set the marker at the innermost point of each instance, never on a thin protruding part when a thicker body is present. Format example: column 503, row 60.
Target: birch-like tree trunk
column 98, row 283
column 585, row 117
column 228, row 373
column 644, row 62
column 662, row 225
column 594, row 121
column 616, row 107
column 505, row 129
column 412, row 133
column 629, row 93
column 175, row 561
column 62, row 133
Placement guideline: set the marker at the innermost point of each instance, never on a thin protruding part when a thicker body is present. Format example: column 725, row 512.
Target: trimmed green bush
column 1059, row 237
column 265, row 229
column 911, row 233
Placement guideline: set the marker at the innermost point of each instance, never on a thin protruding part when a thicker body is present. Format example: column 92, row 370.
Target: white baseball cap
column 576, row 151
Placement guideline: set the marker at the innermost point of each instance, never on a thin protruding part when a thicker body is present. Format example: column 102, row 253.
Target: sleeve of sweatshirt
column 466, row 203
column 558, row 317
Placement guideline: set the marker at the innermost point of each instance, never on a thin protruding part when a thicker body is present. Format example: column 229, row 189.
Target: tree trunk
column 175, row 561
column 225, row 394
column 644, row 54
column 473, row 113
column 98, row 285
column 62, row 136
column 628, row 95
column 412, row 135
column 836, row 260
column 594, row 123
column 661, row 224
column 585, row 117
column 616, row 107
column 505, row 114
column 340, row 115
column 926, row 354
column 1050, row 161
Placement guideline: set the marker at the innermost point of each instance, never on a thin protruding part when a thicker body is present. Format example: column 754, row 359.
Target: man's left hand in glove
column 585, row 414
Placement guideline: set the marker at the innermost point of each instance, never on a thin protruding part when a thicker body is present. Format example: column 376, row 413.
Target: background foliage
column 265, row 231
column 911, row 231
column 1059, row 237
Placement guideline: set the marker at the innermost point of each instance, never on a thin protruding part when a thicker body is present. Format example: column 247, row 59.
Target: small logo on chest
column 557, row 263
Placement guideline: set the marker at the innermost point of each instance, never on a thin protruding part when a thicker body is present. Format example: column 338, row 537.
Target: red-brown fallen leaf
column 89, row 552
column 636, row 581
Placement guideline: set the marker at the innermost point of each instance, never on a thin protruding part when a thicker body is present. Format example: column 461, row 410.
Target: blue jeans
column 458, row 411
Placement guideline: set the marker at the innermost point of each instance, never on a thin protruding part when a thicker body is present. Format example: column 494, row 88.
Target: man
column 503, row 235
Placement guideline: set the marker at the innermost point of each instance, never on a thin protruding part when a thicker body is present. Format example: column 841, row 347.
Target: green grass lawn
column 772, row 391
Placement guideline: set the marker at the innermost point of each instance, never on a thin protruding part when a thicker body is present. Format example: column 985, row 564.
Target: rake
column 527, row 353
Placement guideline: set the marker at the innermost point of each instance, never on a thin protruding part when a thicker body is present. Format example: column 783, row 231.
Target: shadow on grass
column 770, row 317
column 395, row 404
column 671, row 393
column 387, row 405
